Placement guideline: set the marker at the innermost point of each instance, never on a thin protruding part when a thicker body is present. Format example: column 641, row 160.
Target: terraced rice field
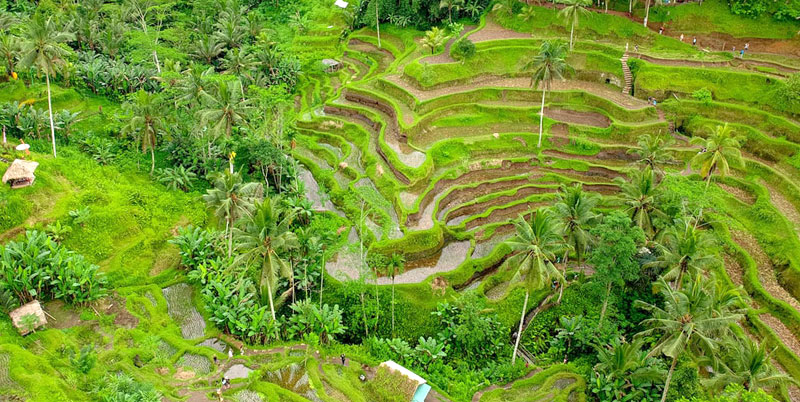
column 450, row 161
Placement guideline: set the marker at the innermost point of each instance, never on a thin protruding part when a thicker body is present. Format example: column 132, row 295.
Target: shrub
column 703, row 95
column 85, row 360
column 196, row 246
column 39, row 268
column 123, row 388
column 463, row 49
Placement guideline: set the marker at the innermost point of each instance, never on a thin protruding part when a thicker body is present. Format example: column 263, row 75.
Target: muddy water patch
column 215, row 344
column 183, row 312
column 5, row 377
column 198, row 363
column 314, row 193
column 483, row 248
column 238, row 371
column 448, row 259
column 248, row 396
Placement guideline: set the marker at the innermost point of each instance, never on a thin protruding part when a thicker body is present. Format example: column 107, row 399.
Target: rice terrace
column 397, row 200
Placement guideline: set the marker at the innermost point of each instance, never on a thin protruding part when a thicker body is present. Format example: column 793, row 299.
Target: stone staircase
column 626, row 72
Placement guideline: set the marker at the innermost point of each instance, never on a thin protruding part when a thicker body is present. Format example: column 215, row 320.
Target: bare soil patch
column 592, row 119
column 766, row 271
column 783, row 205
column 493, row 31
column 448, row 259
column 739, row 193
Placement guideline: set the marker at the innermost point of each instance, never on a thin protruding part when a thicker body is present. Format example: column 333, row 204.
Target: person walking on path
column 694, row 41
column 681, row 37
column 343, row 359
column 661, row 30
column 741, row 54
column 747, row 46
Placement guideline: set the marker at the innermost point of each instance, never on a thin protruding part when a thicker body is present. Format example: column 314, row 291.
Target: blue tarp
column 422, row 392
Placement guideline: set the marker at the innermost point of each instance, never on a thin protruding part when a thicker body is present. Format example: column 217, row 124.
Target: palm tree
column 549, row 64
column 651, row 151
column 146, row 121
column 720, row 152
column 572, row 13
column 41, row 48
column 433, row 39
column 639, row 196
column 647, row 9
column 450, row 5
column 505, row 5
column 395, row 266
column 684, row 249
column 9, row 50
column 536, row 244
column 231, row 199
column 265, row 235
column 226, row 108
column 686, row 321
column 207, row 49
column 574, row 208
column 748, row 363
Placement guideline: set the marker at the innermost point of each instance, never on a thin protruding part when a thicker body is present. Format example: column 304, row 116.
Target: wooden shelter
column 32, row 308
column 331, row 65
column 20, row 173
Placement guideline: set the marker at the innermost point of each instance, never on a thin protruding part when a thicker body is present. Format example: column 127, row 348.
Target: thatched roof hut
column 20, row 173
column 331, row 65
column 32, row 308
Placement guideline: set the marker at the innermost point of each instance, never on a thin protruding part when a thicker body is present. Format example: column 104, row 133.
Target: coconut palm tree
column 574, row 208
column 450, row 5
column 647, row 9
column 748, row 363
column 720, row 152
column 505, row 5
column 9, row 50
column 146, row 121
column 536, row 244
column 651, row 151
column 639, row 196
column 207, row 49
column 264, row 236
column 433, row 39
column 684, row 249
column 42, row 48
column 548, row 65
column 225, row 107
column 686, row 322
column 572, row 12
column 231, row 199
column 395, row 266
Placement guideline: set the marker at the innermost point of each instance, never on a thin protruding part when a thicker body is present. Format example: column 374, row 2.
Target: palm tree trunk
column 50, row 110
column 541, row 116
column 630, row 6
column 519, row 332
column 646, row 12
column 152, row 159
column 605, row 305
column 392, row 305
column 230, row 236
column 708, row 181
column 364, row 313
column 669, row 377
column 564, row 275
column 571, row 32
column 321, row 280
column 271, row 305
column 377, row 23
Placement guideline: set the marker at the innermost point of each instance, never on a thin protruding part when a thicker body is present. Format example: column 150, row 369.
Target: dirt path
column 783, row 205
column 766, row 272
column 494, row 31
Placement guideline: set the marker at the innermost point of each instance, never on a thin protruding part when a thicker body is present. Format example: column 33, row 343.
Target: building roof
column 31, row 308
column 330, row 62
column 393, row 366
column 20, row 169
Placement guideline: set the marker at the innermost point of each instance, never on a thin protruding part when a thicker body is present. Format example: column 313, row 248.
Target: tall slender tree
column 395, row 266
column 720, row 152
column 685, row 322
column 264, row 236
column 647, row 8
column 651, row 151
column 639, row 197
column 145, row 122
column 42, row 48
column 572, row 12
column 749, row 363
column 574, row 208
column 231, row 199
column 546, row 66
column 684, row 249
column 536, row 243
column 225, row 107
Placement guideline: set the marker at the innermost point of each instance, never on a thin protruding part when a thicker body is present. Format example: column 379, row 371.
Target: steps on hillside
column 626, row 72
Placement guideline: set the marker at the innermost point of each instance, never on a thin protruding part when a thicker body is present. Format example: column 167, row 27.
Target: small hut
column 20, row 173
column 331, row 65
column 32, row 308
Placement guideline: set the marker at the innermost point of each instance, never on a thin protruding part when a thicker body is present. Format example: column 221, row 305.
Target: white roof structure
column 341, row 3
column 393, row 366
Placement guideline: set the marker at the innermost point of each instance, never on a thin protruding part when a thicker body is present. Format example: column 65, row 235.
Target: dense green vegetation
column 249, row 200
